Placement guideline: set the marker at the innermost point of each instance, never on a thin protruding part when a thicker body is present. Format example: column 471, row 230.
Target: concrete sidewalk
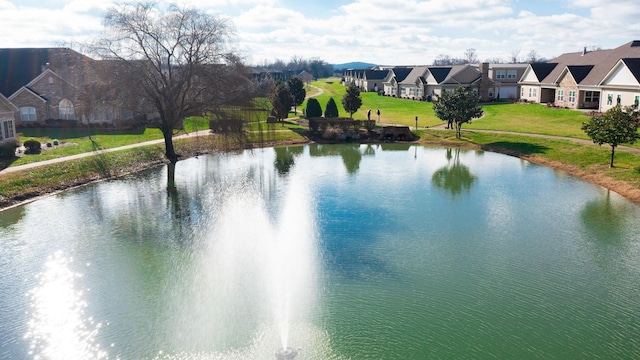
column 98, row 152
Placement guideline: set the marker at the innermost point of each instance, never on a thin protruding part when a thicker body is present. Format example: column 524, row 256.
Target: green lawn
column 531, row 118
column 85, row 140
column 516, row 117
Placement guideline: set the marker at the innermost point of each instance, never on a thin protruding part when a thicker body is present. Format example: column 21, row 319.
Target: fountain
column 286, row 354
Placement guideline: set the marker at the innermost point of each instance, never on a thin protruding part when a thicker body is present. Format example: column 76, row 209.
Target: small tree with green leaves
column 331, row 111
column 457, row 107
column 614, row 127
column 296, row 88
column 351, row 101
column 313, row 108
column 281, row 100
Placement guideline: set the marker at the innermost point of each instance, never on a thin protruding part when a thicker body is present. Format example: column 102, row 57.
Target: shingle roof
column 376, row 74
column 602, row 61
column 579, row 72
column 401, row 73
column 542, row 70
column 440, row 73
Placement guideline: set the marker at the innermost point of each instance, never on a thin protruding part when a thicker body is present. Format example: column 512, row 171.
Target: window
column 521, row 92
column 402, row 90
column 511, row 74
column 66, row 110
column 500, row 74
column 28, row 113
column 419, row 92
column 411, row 91
column 619, row 99
column 572, row 96
column 8, row 132
column 530, row 92
column 609, row 98
column 393, row 91
column 636, row 101
column 491, row 93
column 560, row 95
column 533, row 92
column 591, row 96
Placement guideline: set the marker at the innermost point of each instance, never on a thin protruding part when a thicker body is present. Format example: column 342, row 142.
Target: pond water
column 340, row 252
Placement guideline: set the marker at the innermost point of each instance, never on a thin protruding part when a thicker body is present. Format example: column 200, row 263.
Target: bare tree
column 514, row 56
column 179, row 58
column 470, row 56
column 533, row 56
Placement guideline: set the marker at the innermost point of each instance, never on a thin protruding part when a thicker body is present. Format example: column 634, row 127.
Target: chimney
column 584, row 51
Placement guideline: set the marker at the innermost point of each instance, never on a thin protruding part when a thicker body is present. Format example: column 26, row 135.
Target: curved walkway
column 98, row 152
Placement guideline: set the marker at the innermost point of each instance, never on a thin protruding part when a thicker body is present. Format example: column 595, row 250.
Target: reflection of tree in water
column 603, row 220
column 351, row 157
column 350, row 153
column 285, row 158
column 453, row 177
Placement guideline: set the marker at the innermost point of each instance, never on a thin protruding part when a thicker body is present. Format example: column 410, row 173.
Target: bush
column 7, row 151
column 32, row 146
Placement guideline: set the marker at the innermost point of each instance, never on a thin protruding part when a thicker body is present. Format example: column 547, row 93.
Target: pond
column 332, row 251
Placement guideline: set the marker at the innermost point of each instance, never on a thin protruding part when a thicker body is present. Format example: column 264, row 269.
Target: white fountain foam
column 254, row 272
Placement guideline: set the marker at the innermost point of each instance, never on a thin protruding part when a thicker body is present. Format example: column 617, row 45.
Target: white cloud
column 406, row 32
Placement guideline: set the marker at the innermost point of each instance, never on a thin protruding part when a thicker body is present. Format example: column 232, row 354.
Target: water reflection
column 453, row 177
column 59, row 327
column 285, row 158
column 604, row 220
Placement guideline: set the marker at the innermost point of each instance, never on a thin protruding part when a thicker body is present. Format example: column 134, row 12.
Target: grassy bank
column 589, row 162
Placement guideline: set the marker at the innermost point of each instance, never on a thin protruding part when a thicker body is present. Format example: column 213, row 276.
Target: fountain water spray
column 286, row 354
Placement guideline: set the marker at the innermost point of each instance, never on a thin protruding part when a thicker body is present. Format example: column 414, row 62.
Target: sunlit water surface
column 345, row 252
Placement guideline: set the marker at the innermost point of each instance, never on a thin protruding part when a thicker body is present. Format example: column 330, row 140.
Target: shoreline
column 622, row 188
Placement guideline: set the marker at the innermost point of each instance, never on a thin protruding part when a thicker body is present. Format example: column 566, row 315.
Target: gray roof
column 601, row 60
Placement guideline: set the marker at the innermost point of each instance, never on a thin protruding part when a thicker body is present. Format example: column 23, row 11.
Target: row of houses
column 40, row 84
column 490, row 81
column 597, row 80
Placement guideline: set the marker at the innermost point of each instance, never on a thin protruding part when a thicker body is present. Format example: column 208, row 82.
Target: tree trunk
column 170, row 151
column 613, row 149
column 458, row 126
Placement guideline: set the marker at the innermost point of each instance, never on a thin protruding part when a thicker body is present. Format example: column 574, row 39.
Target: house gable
column 438, row 74
column 529, row 76
column 6, row 106
column 625, row 73
column 579, row 72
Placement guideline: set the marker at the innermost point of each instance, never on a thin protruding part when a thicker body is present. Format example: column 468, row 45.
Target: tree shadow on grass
column 515, row 147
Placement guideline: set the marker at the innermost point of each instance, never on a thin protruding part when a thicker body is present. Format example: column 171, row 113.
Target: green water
column 378, row 252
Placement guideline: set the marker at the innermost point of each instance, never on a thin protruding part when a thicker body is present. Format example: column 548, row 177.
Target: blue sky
column 403, row 32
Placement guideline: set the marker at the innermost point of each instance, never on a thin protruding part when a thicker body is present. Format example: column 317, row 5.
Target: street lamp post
column 416, row 123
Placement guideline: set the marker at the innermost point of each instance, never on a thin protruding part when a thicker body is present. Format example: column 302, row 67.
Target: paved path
column 98, row 152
